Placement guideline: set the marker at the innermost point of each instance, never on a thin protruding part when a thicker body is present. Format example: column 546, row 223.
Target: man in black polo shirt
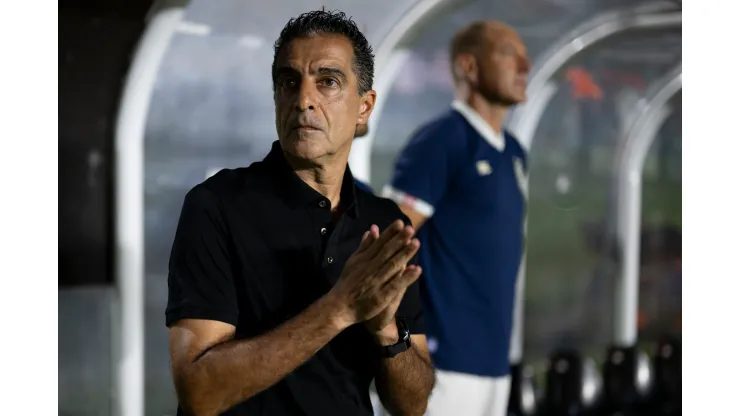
column 285, row 298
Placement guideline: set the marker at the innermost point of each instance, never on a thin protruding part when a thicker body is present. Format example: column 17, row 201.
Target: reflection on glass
column 572, row 260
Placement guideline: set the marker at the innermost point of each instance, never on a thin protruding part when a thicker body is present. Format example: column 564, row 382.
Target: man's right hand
column 374, row 275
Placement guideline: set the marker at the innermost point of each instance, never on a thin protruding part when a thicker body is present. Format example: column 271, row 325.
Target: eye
column 329, row 82
column 287, row 83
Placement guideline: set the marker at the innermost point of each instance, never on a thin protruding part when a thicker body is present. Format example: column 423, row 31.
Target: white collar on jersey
column 484, row 129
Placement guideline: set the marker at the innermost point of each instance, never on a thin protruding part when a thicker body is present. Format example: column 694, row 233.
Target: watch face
column 403, row 331
column 403, row 344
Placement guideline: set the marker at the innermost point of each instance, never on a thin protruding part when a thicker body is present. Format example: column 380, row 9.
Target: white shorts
column 463, row 394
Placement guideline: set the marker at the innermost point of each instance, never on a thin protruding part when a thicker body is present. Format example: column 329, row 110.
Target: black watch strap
column 403, row 344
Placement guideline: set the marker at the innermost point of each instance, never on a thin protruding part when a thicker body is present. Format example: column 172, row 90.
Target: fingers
column 397, row 236
column 368, row 238
column 393, row 298
column 388, row 235
column 364, row 243
column 398, row 261
column 399, row 241
column 402, row 281
column 411, row 274
column 397, row 299
column 392, row 239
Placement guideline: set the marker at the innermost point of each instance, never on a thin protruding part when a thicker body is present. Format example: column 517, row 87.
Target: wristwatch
column 403, row 344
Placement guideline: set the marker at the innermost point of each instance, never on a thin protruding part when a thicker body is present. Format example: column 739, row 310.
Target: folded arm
column 213, row 371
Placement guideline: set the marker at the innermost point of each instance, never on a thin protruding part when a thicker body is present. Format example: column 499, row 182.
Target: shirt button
column 330, row 259
column 323, row 231
column 322, row 204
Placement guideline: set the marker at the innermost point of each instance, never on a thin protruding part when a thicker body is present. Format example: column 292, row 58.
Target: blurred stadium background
column 211, row 107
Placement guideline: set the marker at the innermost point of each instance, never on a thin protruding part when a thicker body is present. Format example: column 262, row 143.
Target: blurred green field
column 560, row 263
column 556, row 248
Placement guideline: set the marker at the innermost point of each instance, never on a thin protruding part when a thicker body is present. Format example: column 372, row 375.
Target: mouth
column 305, row 128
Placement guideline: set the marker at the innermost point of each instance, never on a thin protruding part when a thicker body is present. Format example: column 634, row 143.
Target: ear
column 466, row 67
column 367, row 104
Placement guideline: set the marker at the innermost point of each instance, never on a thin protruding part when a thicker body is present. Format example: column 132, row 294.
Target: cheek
column 341, row 114
column 512, row 70
column 279, row 117
column 278, row 111
column 505, row 78
column 493, row 78
column 338, row 121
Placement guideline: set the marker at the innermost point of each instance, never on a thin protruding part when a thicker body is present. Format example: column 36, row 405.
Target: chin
column 305, row 146
column 520, row 95
column 516, row 98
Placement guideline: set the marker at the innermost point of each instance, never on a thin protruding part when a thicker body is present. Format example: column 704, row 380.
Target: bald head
column 490, row 52
column 477, row 39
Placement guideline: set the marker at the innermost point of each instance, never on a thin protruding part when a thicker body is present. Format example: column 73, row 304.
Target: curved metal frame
column 525, row 118
column 630, row 163
column 129, row 205
column 390, row 56
column 541, row 89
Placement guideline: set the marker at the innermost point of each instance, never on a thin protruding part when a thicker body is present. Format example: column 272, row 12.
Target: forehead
column 318, row 50
column 499, row 35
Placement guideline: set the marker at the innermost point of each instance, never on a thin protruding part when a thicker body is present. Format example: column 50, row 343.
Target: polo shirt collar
column 476, row 121
column 291, row 188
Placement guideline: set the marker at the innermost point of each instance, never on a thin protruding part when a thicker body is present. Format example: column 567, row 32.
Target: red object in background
column 642, row 320
column 583, row 86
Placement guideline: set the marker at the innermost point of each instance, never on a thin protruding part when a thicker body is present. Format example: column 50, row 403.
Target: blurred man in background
column 461, row 180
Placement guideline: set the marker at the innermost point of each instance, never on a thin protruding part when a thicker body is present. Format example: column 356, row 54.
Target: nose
column 306, row 96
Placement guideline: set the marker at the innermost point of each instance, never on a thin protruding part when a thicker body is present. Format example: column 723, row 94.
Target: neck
column 324, row 175
column 492, row 113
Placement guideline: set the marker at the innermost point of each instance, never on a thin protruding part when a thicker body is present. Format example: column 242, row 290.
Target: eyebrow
column 286, row 70
column 333, row 71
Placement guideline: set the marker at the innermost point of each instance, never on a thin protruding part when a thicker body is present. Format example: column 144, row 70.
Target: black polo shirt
column 254, row 247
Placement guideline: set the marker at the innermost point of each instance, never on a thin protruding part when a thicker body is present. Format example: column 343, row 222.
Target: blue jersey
column 470, row 183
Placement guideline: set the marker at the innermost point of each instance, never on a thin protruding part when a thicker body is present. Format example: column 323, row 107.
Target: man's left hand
column 383, row 326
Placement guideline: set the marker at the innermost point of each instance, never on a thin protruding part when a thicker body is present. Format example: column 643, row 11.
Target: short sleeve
column 201, row 284
column 425, row 168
